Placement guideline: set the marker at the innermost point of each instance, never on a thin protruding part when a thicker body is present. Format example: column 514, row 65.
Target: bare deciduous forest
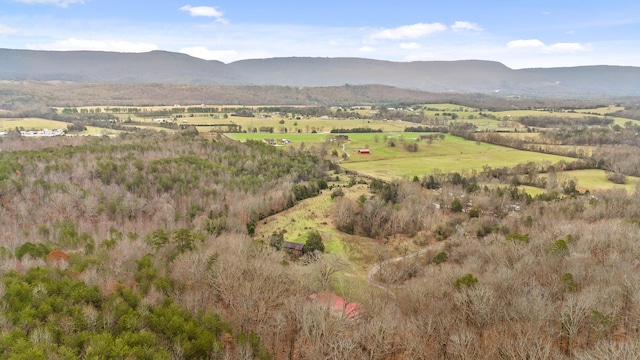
column 140, row 246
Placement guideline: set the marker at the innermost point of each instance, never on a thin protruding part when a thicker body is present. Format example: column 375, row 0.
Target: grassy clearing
column 40, row 124
column 97, row 131
column 601, row 110
column 310, row 214
column 31, row 124
column 303, row 125
column 595, row 179
column 315, row 214
column 449, row 155
column 387, row 162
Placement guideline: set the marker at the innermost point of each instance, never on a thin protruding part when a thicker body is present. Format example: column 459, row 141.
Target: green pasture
column 387, row 162
column 449, row 155
column 449, row 107
column 31, row 124
column 302, row 125
column 594, row 179
column 294, row 137
column 40, row 124
column 97, row 131
column 515, row 114
column 310, row 214
column 601, row 110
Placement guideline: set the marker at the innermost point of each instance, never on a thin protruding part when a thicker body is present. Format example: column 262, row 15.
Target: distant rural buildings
column 38, row 133
column 276, row 142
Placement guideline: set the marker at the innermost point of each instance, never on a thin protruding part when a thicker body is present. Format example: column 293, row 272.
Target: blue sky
column 518, row 33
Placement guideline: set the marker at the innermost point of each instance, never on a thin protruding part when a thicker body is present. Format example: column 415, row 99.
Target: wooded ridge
column 440, row 76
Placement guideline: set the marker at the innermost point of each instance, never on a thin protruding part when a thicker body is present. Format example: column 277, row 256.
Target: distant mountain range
column 475, row 76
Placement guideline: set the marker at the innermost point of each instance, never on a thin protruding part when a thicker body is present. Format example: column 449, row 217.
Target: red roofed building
column 364, row 151
column 336, row 303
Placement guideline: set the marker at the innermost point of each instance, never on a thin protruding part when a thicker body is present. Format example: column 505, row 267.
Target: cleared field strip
column 31, row 124
column 389, row 162
column 462, row 162
column 594, row 179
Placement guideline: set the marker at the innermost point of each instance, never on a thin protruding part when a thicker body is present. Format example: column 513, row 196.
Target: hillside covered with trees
column 145, row 245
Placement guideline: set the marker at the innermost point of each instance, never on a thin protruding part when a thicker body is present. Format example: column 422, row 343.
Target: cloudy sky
column 518, row 33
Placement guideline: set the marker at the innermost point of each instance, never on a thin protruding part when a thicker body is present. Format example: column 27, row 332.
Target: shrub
column 560, row 248
column 616, row 177
column 313, row 243
column 474, row 212
column 517, row 237
column 276, row 240
column 39, row 250
column 440, row 258
column 456, row 205
column 569, row 283
column 466, row 281
column 337, row 192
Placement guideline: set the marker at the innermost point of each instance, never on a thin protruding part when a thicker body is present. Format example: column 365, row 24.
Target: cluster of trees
column 557, row 121
column 355, row 130
column 536, row 277
column 614, row 149
column 437, row 129
column 51, row 314
column 133, row 212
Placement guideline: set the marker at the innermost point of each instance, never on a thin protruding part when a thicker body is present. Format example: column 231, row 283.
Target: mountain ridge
column 159, row 66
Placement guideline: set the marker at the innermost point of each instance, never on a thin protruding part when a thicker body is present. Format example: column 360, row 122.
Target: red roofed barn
column 336, row 303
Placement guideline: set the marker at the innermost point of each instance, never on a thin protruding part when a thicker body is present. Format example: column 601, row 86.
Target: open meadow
column 8, row 124
column 451, row 154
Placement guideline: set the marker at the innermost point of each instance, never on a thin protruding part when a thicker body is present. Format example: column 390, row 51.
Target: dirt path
column 345, row 151
column 374, row 270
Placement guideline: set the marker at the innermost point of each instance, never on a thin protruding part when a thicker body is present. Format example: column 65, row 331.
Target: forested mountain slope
column 439, row 76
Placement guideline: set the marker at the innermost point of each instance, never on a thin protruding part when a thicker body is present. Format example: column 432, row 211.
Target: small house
column 292, row 247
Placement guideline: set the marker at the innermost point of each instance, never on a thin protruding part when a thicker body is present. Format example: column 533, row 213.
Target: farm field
column 304, row 125
column 594, row 179
column 31, row 124
column 40, row 124
column 454, row 162
column 387, row 162
column 601, row 110
column 435, row 113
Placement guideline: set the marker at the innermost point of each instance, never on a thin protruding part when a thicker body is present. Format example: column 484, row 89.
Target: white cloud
column 538, row 45
column 366, row 49
column 525, row 44
column 465, row 26
column 410, row 31
column 61, row 3
column 206, row 54
column 6, row 30
column 96, row 45
column 205, row 11
column 567, row 47
column 410, row 46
